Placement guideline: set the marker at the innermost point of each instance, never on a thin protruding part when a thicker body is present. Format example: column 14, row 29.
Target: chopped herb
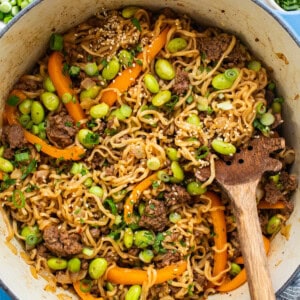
column 136, row 24
column 31, row 187
column 182, row 243
column 110, row 131
column 104, row 62
column 279, row 100
column 18, row 199
column 82, row 221
column 190, row 289
column 13, row 100
column 78, row 124
column 139, row 48
column 74, row 71
column 91, row 124
column 112, row 206
column 24, row 156
column 77, row 211
column 89, row 57
column 91, row 139
column 209, row 110
column 152, row 206
column 157, row 246
column 139, row 62
column 171, row 104
column 68, row 124
column 155, row 184
column 202, row 152
column 189, row 99
column 203, row 56
column 30, row 168
column 65, row 69
column 6, row 183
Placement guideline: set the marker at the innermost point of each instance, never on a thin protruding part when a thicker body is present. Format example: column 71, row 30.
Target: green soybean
column 5, row 165
column 87, row 138
column 96, row 190
column 151, row 83
column 74, row 265
column 125, row 57
column 172, row 154
column 50, row 100
column 164, row 69
column 161, row 98
column 91, row 69
column 176, row 44
column 91, row 93
column 128, row 237
column 25, row 106
column 99, row 111
column 194, row 119
column 146, row 256
column 178, row 174
column 174, row 217
column 235, row 269
column 276, row 107
column 220, row 82
column 88, row 182
column 1, row 151
column 125, row 110
column 134, row 293
column 110, row 71
column 153, row 163
column 195, row 188
column 97, row 267
column 143, row 238
column 37, row 112
column 129, row 11
column 223, row 147
column 56, row 263
column 48, row 85
column 254, row 65
column 273, row 224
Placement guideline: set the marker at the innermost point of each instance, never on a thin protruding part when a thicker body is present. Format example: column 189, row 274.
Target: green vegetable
column 18, row 199
column 220, row 82
column 128, row 237
column 153, row 163
column 254, row 65
column 235, row 269
column 223, row 147
column 15, row 10
column 31, row 234
column 174, row 217
column 276, row 107
column 146, row 256
column 91, row 92
column 151, row 83
column 1, row 151
column 195, row 188
column 125, row 110
column 133, row 293
column 56, row 42
column 97, row 267
column 231, row 74
column 48, row 85
column 88, row 138
column 176, row 44
column 125, row 58
column 5, row 7
column 96, row 190
column 5, row 165
column 24, row 156
column 99, row 111
column 178, row 174
column 74, row 265
column 87, row 251
column 274, row 224
column 76, row 168
column 129, row 11
column 25, row 121
column 261, row 108
column 164, row 69
column 172, row 154
column 163, row 176
column 110, row 71
column 141, row 208
column 267, row 119
column 56, row 263
column 202, row 152
column 12, row 100
column 143, row 238
column 25, row 106
column 194, row 119
column 136, row 24
column 37, row 112
column 91, row 69
column 161, row 98
column 88, row 182
column 50, row 100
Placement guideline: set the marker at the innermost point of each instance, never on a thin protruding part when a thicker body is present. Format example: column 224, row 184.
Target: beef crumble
column 167, row 259
column 13, row 135
column 181, row 85
column 176, row 194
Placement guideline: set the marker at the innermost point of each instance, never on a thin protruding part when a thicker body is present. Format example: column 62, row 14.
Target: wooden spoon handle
column 250, row 236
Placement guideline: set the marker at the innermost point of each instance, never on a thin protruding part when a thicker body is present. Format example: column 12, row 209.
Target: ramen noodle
column 100, row 149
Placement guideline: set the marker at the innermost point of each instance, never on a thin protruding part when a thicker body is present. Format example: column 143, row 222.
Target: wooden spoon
column 239, row 178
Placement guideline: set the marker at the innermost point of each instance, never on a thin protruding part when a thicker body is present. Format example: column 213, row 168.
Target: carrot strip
column 74, row 153
column 266, row 205
column 128, row 76
column 241, row 278
column 83, row 295
column 220, row 237
column 63, row 85
column 133, row 276
column 134, row 196
column 1, row 175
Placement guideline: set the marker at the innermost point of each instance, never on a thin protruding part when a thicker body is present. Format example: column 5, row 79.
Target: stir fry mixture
column 100, row 146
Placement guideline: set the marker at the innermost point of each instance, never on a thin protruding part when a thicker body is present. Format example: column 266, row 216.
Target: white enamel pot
column 270, row 33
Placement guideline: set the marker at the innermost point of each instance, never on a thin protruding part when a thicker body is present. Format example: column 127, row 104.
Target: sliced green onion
column 153, row 163
column 189, row 99
column 174, row 217
column 202, row 104
column 76, row 168
column 56, row 42
column 32, row 239
column 231, row 74
column 86, row 285
column 74, row 71
column 22, row 156
column 112, row 206
column 193, row 119
column 146, row 256
column 261, row 108
column 254, row 65
column 202, row 152
column 13, row 100
column 91, row 69
column 271, row 86
column 96, row 190
column 87, row 251
column 136, row 24
column 195, row 188
column 267, row 119
column 163, row 176
column 279, row 100
column 18, row 199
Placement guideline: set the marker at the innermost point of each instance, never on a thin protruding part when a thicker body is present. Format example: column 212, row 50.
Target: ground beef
column 60, row 242
column 95, row 233
column 200, row 279
column 8, row 153
column 26, row 84
column 272, row 193
column 182, row 82
column 269, row 97
column 176, row 194
column 234, row 240
column 43, row 251
column 214, row 47
column 14, row 136
column 167, row 259
column 278, row 121
column 289, row 182
column 61, row 129
column 155, row 216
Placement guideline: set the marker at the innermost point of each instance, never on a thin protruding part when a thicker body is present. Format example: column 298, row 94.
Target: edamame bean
column 161, row 98
column 128, row 237
column 1, row 151
column 176, row 44
column 141, row 208
column 110, row 71
column 88, row 138
column 220, row 82
column 97, row 267
column 153, row 163
column 48, row 85
column 235, row 269
column 56, row 263
column 274, row 224
column 151, row 83
column 129, row 11
column 74, row 265
column 125, row 110
column 125, row 58
column 254, row 65
column 37, row 112
column 195, row 188
column 143, row 238
column 88, row 182
column 91, row 69
column 96, row 190
column 91, row 93
column 174, row 217
column 193, row 120
column 172, row 153
column 146, row 256
column 223, row 147
column 178, row 174
column 133, row 293
column 50, row 100
column 276, row 107
column 164, row 69
column 5, row 165
column 99, row 111
column 25, row 106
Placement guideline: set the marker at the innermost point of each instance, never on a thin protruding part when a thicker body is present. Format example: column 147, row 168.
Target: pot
column 270, row 33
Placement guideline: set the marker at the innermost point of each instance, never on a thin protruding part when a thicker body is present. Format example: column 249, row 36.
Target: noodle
column 66, row 209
